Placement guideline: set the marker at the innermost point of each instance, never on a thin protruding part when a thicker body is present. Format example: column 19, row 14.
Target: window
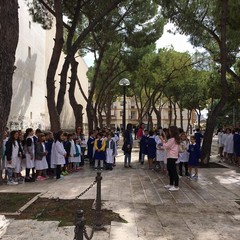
column 121, row 103
column 29, row 52
column 121, row 113
column 31, row 88
column 30, row 115
column 29, row 24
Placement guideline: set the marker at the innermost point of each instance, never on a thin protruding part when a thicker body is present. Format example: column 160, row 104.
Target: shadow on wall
column 22, row 78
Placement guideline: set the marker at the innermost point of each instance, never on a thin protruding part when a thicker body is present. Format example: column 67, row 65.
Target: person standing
column 40, row 157
column 194, row 155
column 184, row 154
column 29, row 149
column 127, row 145
column 198, row 136
column 58, row 153
column 140, row 134
column 110, row 151
column 151, row 149
column 13, row 153
column 172, row 147
column 99, row 154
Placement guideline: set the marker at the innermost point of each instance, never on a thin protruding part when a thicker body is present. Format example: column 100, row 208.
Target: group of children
column 45, row 155
column 228, row 143
column 152, row 146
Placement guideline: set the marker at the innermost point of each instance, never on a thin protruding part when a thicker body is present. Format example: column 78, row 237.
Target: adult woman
column 127, row 145
column 172, row 147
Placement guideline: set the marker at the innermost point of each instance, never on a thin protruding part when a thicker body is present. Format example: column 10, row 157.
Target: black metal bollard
column 79, row 225
column 99, row 222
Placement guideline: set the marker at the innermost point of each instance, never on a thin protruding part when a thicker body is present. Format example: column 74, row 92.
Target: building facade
column 29, row 104
column 132, row 115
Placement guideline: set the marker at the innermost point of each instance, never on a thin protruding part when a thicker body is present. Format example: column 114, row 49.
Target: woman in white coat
column 58, row 153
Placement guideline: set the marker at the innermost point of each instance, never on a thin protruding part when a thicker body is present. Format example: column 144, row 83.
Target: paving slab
column 200, row 210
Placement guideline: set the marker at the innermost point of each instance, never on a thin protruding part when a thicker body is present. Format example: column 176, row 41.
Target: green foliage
column 40, row 13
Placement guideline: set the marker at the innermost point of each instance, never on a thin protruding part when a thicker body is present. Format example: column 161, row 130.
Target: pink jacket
column 172, row 148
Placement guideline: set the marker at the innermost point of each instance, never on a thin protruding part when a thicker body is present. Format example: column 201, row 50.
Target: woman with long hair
column 172, row 147
column 127, row 145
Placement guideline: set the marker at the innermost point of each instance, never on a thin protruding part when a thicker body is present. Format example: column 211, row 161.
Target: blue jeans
column 10, row 174
column 127, row 159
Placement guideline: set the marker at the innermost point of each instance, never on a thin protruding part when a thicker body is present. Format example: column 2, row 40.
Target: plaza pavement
column 201, row 210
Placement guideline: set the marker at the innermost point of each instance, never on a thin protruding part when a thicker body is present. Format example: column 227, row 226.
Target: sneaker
column 173, row 188
column 63, row 173
column 195, row 177
column 29, row 180
column 40, row 178
column 61, row 177
column 168, row 186
column 130, row 166
column 11, row 183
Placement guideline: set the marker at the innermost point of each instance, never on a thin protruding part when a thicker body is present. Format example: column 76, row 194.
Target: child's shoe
column 12, row 183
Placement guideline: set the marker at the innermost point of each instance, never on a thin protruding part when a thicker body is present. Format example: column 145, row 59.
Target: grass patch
column 64, row 211
column 12, row 202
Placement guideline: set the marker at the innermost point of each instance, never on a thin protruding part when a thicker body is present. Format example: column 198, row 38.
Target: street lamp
column 124, row 82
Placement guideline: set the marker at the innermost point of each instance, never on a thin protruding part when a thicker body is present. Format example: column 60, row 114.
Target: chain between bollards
column 80, row 228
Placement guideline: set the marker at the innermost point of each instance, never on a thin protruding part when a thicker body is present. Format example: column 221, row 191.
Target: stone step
column 3, row 225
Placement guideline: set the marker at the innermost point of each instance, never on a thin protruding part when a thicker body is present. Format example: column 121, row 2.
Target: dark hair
column 11, row 137
column 193, row 137
column 38, row 131
column 40, row 136
column 28, row 130
column 129, row 126
column 151, row 133
column 57, row 136
column 174, row 133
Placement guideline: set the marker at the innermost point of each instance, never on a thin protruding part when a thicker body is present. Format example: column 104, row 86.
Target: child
column 58, row 154
column 143, row 145
column 90, row 148
column 40, row 157
column 3, row 166
column 48, row 146
column 29, row 149
column 161, row 155
column 194, row 155
column 151, row 149
column 110, row 151
column 99, row 155
column 76, row 159
column 13, row 152
column 183, row 154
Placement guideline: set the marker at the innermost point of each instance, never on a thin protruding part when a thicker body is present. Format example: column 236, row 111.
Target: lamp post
column 124, row 82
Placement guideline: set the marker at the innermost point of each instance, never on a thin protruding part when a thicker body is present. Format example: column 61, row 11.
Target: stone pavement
column 201, row 210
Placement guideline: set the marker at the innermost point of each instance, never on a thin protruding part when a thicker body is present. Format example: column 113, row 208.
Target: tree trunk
column 188, row 121
column 181, row 117
column 9, row 32
column 175, row 114
column 63, row 86
column 108, row 114
column 77, row 108
column 158, row 116
column 52, row 68
column 90, row 116
column 207, row 141
column 170, row 114
column 100, row 119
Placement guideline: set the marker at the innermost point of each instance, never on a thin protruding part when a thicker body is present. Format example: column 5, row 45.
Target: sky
column 179, row 42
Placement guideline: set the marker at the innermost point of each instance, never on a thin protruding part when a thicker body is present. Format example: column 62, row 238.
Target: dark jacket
column 39, row 153
column 9, row 149
column 127, row 142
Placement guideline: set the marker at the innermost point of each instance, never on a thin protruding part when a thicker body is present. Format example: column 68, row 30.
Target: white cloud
column 178, row 41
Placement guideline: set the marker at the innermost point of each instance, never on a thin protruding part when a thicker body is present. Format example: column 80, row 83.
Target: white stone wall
column 29, row 105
